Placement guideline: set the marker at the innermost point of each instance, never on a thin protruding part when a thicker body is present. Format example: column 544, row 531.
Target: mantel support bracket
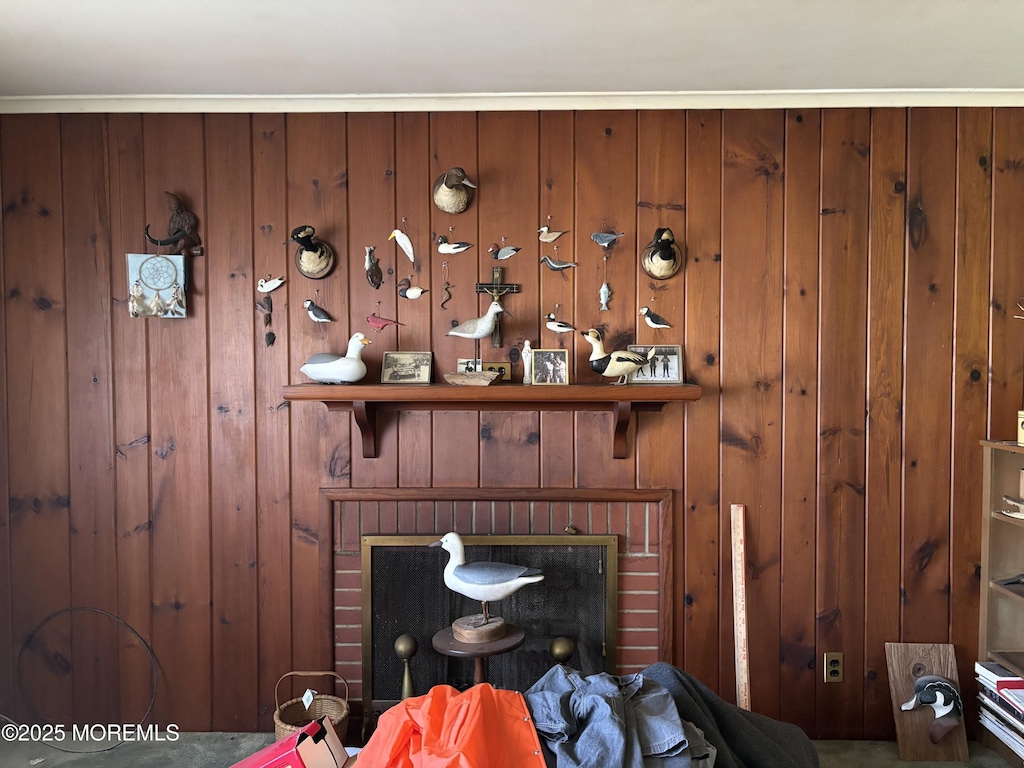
column 621, row 411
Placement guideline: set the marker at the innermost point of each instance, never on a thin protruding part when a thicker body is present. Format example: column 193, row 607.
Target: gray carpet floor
column 222, row 750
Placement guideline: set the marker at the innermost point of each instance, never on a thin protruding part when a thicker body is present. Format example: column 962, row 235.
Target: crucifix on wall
column 496, row 288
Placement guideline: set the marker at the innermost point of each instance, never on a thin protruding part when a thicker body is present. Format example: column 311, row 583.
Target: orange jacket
column 482, row 727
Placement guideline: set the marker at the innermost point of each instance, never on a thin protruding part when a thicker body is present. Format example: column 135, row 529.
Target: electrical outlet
column 833, row 667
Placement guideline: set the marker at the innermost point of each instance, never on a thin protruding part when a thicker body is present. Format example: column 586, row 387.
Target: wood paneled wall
column 847, row 307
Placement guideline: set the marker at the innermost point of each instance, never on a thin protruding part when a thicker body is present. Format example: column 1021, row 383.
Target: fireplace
column 639, row 625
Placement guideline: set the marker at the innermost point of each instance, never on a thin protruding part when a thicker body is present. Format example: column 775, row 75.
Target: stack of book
column 1001, row 694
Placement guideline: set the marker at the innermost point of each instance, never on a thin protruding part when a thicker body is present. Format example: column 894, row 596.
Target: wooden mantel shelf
column 365, row 400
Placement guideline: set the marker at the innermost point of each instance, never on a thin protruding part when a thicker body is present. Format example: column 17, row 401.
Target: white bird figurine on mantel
column 615, row 365
column 335, row 369
column 483, row 581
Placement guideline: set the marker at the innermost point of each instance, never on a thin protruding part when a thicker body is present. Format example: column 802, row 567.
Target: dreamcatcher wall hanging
column 156, row 285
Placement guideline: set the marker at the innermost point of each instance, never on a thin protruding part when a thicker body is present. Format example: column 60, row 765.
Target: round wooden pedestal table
column 444, row 642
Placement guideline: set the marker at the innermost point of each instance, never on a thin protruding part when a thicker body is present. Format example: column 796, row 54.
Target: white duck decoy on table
column 453, row 192
column 615, row 365
column 483, row 581
column 335, row 369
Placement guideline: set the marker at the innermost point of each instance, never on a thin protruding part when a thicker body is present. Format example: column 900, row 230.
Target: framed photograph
column 467, row 365
column 665, row 366
column 406, row 368
column 550, row 366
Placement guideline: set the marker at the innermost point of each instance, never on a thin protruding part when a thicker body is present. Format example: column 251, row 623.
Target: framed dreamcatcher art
column 156, row 285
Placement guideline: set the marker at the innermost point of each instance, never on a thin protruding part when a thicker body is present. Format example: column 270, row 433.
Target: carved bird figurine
column 443, row 246
column 337, row 369
column 483, row 581
column 409, row 291
column 615, row 365
column 453, row 192
column 653, row 319
column 661, row 258
column 501, row 253
column 374, row 275
column 479, row 327
column 403, row 242
column 547, row 235
column 314, row 258
column 944, row 699
column 181, row 226
column 379, row 323
column 555, row 265
column 604, row 239
column 316, row 314
column 556, row 325
column 268, row 284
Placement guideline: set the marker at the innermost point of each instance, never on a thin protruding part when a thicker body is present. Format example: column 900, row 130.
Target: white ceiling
column 242, row 55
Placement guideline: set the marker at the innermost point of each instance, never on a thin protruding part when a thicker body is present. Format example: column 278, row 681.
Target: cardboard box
column 314, row 746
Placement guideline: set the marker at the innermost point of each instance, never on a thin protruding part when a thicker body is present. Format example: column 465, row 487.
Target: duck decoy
column 555, row 265
column 453, row 192
column 615, row 365
column 547, row 235
column 661, row 258
column 653, row 319
column 604, row 239
column 379, row 323
column 556, row 325
column 944, row 699
column 268, row 284
column 443, row 246
column 337, row 369
column 314, row 258
column 483, row 581
column 181, row 227
column 403, row 242
column 409, row 291
column 501, row 253
column 316, row 314
column 374, row 275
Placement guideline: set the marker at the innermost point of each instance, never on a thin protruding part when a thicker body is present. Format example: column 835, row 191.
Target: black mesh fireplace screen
column 404, row 593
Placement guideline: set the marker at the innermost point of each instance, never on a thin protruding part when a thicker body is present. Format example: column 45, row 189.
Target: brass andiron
column 405, row 648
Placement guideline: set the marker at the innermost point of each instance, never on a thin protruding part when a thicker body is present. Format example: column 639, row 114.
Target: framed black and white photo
column 664, row 366
column 550, row 366
column 406, row 368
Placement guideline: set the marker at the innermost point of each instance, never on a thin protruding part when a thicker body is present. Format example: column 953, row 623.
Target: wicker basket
column 293, row 715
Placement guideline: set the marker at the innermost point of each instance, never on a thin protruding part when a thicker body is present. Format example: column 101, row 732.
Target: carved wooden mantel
column 366, row 400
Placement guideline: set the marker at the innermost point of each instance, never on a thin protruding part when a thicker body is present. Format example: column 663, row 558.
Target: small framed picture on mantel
column 406, row 368
column 664, row 366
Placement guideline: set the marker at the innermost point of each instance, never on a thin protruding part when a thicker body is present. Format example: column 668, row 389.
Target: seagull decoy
column 615, row 365
column 555, row 265
column 443, row 246
column 944, row 699
column 500, row 253
column 556, row 325
column 337, row 369
column 483, row 581
column 314, row 258
column 547, row 235
column 403, row 242
column 268, row 284
column 604, row 239
column 653, row 319
column 374, row 275
column 453, row 192
column 409, row 291
column 379, row 323
column 661, row 258
column 316, row 314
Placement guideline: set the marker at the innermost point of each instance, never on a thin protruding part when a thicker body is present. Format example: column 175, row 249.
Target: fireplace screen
column 404, row 594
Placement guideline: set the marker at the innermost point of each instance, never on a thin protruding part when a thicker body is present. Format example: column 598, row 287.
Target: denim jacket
column 602, row 720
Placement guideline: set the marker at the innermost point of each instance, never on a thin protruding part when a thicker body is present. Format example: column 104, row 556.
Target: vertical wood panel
column 7, row 692
column 931, row 225
column 841, row 409
column 605, row 201
column 883, row 486
column 173, row 156
column 90, row 406
column 508, row 148
column 36, row 351
column 697, row 624
column 131, row 418
column 273, row 465
column 232, row 327
column 799, row 416
column 752, row 281
column 970, row 384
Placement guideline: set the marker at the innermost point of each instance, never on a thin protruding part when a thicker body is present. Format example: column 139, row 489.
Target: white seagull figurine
column 483, row 581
